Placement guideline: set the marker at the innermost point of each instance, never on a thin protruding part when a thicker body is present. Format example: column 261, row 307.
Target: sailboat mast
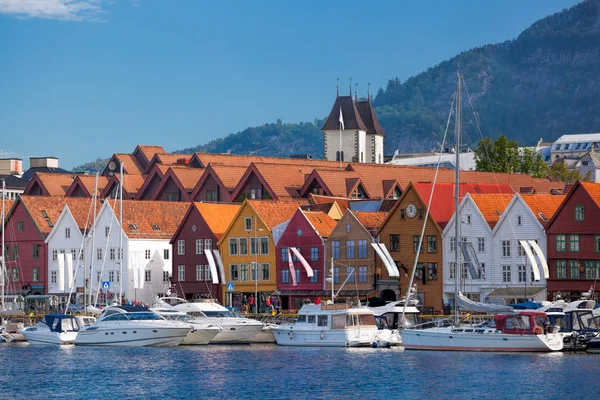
column 457, row 269
column 2, row 278
column 94, row 197
column 121, row 234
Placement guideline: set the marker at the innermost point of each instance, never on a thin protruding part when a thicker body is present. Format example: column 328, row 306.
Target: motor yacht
column 201, row 334
column 132, row 326
column 54, row 329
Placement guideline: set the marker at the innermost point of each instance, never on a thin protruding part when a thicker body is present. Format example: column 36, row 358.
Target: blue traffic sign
column 105, row 285
column 230, row 287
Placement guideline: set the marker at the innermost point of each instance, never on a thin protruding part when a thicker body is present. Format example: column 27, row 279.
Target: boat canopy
column 464, row 303
column 60, row 322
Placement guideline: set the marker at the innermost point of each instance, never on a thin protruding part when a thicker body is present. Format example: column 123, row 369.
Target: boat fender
column 537, row 330
column 374, row 345
column 322, row 335
column 291, row 334
column 388, row 345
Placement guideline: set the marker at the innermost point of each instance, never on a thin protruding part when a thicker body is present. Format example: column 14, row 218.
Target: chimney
column 11, row 166
column 43, row 162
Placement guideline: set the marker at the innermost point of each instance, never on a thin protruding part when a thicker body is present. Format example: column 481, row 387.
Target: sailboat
column 507, row 332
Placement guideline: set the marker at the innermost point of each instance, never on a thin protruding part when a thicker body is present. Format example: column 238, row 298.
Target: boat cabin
column 333, row 316
column 60, row 323
column 523, row 323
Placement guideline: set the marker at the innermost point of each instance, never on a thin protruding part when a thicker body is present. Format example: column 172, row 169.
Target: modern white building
column 446, row 160
column 589, row 163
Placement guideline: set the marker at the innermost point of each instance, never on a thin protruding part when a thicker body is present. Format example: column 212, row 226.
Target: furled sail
column 307, row 267
column 217, row 255
column 390, row 269
column 531, row 258
column 61, row 272
column 541, row 257
column 464, row 303
column 213, row 267
column 292, row 269
column 390, row 259
column 470, row 258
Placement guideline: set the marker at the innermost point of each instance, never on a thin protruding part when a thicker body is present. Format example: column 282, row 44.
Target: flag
column 341, row 119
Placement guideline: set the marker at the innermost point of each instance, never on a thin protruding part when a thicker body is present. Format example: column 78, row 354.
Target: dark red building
column 201, row 228
column 573, row 243
column 306, row 231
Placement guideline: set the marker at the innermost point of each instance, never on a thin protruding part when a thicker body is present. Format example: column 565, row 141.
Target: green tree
column 561, row 170
column 532, row 163
column 501, row 155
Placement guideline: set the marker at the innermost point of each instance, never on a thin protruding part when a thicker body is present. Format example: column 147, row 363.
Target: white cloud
column 70, row 10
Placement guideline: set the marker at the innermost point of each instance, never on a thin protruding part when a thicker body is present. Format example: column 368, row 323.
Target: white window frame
column 181, row 273
column 199, row 246
column 181, row 247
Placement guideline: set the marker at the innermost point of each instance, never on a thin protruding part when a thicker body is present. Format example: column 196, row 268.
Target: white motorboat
column 201, row 334
column 332, row 325
column 54, row 329
column 521, row 331
column 234, row 329
column 390, row 315
column 132, row 327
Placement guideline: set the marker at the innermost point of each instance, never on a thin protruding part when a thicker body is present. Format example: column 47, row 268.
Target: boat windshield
column 223, row 313
column 559, row 320
column 351, row 320
column 583, row 320
column 138, row 316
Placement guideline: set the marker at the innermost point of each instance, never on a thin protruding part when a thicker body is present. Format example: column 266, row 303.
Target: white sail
column 307, row 267
column 541, row 257
column 464, row 303
column 69, row 268
column 390, row 269
column 61, row 272
column 217, row 255
column 531, row 258
column 213, row 266
column 387, row 254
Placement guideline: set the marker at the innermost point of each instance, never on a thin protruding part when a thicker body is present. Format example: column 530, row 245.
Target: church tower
column 361, row 135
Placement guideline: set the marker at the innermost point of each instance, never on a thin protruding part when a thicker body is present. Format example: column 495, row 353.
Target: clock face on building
column 411, row 211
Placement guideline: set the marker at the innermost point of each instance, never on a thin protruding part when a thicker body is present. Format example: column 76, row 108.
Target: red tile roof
column 130, row 164
column 370, row 220
column 150, row 219
column 273, row 213
column 229, row 175
column 245, row 160
column 188, row 177
column 217, row 216
column 55, row 184
column 89, row 181
column 593, row 189
column 322, row 222
column 543, row 204
column 150, row 150
column 491, row 206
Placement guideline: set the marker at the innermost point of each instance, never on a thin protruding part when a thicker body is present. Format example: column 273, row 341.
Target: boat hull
column 264, row 336
column 364, row 337
column 201, row 335
column 132, row 336
column 47, row 337
column 449, row 340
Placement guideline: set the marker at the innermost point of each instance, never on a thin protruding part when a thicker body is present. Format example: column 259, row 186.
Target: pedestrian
column 318, row 300
column 268, row 303
column 251, row 302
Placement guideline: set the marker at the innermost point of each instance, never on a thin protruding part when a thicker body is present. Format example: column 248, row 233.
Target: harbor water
column 272, row 372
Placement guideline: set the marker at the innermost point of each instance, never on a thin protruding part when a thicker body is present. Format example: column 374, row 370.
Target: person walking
column 268, row 303
column 251, row 303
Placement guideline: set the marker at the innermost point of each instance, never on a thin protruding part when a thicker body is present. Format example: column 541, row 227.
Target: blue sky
column 82, row 79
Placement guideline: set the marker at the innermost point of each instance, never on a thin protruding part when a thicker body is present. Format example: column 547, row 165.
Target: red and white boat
column 515, row 332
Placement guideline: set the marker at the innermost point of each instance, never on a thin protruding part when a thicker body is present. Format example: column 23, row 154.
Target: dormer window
column 542, row 216
column 133, row 227
column 45, row 214
column 567, row 146
column 155, row 227
column 558, row 147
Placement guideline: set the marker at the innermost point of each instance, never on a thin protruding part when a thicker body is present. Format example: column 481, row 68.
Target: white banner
column 390, row 269
column 292, row 269
column 213, row 266
column 541, row 256
column 61, row 272
column 391, row 260
column 534, row 266
column 69, row 267
column 217, row 255
column 307, row 267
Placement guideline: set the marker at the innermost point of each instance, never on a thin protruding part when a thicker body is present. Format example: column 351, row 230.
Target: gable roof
column 543, row 204
column 322, row 223
column 144, row 219
column 273, row 213
column 87, row 183
column 491, row 206
column 149, row 150
column 131, row 184
column 245, row 160
column 131, row 166
column 367, row 114
column 333, row 181
column 52, row 184
column 350, row 114
column 217, row 216
column 370, row 220
column 592, row 189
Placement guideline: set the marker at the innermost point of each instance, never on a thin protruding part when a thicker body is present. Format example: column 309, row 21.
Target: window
column 199, row 246
column 315, row 277
column 35, row 250
column 464, row 270
column 15, row 251
column 362, row 249
column 244, row 272
column 285, row 276
column 67, row 233
column 211, row 195
column 284, row 254
column 452, row 270
column 314, row 253
column 98, row 276
column 481, row 244
column 248, row 223
column 347, row 228
column 266, row 272
column 561, row 243
column 120, row 253
column 264, row 245
column 81, row 253
column 15, row 274
column 574, row 269
column 20, row 226
column 297, row 272
column 520, row 251
column 165, row 276
column 350, row 274
column 394, row 242
column 99, row 253
column 181, row 247
column 166, row 254
column 362, row 274
column 335, row 249
column 452, row 243
column 207, row 244
column 522, row 273
column 147, row 254
column 432, row 244
column 349, row 248
column 173, row 196
column 322, row 319
column 432, row 271
column 243, row 246
column 35, row 274
column 106, row 231
column 294, row 257
column 181, row 273
column 53, row 276
column 561, row 269
column 597, row 239
column 233, row 246
column 112, row 253
column 506, row 275
column 506, row 249
column 207, row 273
column 468, row 220
column 336, row 275
column 591, row 269
column 558, row 147
column 481, row 271
column 416, row 244
column 111, row 276
column 74, row 254
column 147, row 276
column 253, row 245
column 233, row 271
column 574, row 243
